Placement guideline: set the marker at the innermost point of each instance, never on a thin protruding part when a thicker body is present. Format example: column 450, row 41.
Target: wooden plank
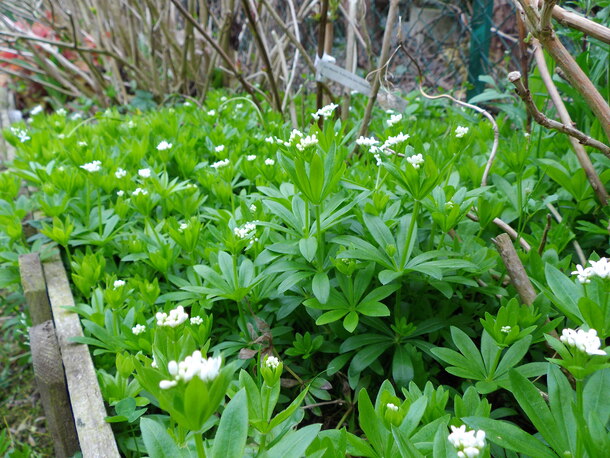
column 34, row 288
column 49, row 374
column 94, row 434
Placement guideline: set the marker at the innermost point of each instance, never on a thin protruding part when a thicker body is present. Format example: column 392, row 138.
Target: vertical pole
column 480, row 38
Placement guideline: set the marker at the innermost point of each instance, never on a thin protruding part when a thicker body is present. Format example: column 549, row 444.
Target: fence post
column 480, row 37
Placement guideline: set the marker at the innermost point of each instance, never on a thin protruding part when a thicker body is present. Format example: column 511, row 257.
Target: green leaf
column 595, row 395
column 406, row 448
column 566, row 292
column 402, row 366
column 468, row 349
column 442, row 447
column 513, row 355
column 230, row 439
column 351, row 321
column 330, row 317
column 373, row 309
column 370, row 424
column 294, row 443
column 561, row 400
column 158, row 442
column 308, row 248
column 510, row 436
column 321, row 287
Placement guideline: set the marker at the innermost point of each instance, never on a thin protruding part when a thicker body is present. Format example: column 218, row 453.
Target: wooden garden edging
column 64, row 371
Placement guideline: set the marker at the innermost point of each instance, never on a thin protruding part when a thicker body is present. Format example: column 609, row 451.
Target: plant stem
column 579, row 415
column 414, row 216
column 200, row 447
column 99, row 210
column 319, row 236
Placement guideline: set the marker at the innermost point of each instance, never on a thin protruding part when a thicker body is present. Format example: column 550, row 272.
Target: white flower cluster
column 395, row 118
column 139, row 191
column 36, row 110
column 94, row 166
column 163, row 146
column 378, row 160
column 120, row 173
column 306, row 142
column 469, row 444
column 250, row 157
column 21, row 134
column 272, row 362
column 325, row 112
column 392, row 407
column 61, row 112
column 212, row 113
column 81, row 143
column 269, row 161
column 183, row 227
column 196, row 320
column 367, row 141
column 120, row 193
column 144, row 173
column 271, row 140
column 219, row 148
column 372, row 142
column 599, row 268
column 460, row 131
column 138, row 329
column 175, row 318
column 220, row 164
column 585, row 341
column 118, row 283
column 246, row 231
column 207, row 369
column 505, row 329
column 416, row 160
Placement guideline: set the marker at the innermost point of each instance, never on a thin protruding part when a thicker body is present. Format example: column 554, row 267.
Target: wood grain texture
column 94, row 434
column 51, row 382
column 34, row 288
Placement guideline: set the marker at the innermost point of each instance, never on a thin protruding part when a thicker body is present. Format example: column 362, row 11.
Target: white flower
column 154, row 363
column 367, row 141
column 505, row 329
column 118, row 283
column 120, row 173
column 270, row 139
column 219, row 148
column 468, row 443
column 392, row 407
column 460, row 131
column 306, row 142
column 246, row 231
column 206, row 369
column 139, row 191
column 21, row 134
column 416, row 160
column 94, row 166
column 36, row 110
column 293, row 135
column 449, row 205
column 167, row 384
column 585, row 341
column 601, row 268
column 250, row 157
column 325, row 112
column 187, row 104
column 60, row 136
column 378, row 159
column 396, row 139
column 175, row 318
column 584, row 274
column 196, row 320
column 269, row 161
column 220, row 164
column 61, row 112
column 130, row 124
column 223, row 99
column 138, row 329
column 272, row 362
column 144, row 173
column 163, row 146
column 76, row 116
column 81, row 143
column 394, row 119
column 252, row 208
column 239, row 106
column 120, row 193
column 212, row 113
column 183, row 227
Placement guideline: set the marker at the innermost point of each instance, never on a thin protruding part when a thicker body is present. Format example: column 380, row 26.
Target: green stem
column 319, row 236
column 199, row 444
column 579, row 415
column 307, row 220
column 99, row 210
column 414, row 216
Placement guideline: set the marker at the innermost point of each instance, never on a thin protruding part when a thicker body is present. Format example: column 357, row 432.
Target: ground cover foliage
column 251, row 290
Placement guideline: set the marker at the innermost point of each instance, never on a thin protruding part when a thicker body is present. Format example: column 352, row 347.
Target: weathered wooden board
column 34, row 288
column 49, row 374
column 94, row 434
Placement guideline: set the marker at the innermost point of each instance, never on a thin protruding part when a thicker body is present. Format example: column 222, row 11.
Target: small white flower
column 270, row 139
column 392, row 407
column 138, row 329
column 252, row 208
column 60, row 136
column 76, row 116
column 584, row 273
column 220, row 164
column 416, row 160
column 183, row 227
column 120, row 193
column 449, row 205
column 325, row 112
column 460, row 131
column 250, row 157
column 306, row 142
column 223, row 99
column 219, row 148
column 36, row 110
column 601, row 268
column 196, row 320
column 246, row 231
column 187, row 104
column 130, row 124
column 269, row 161
column 367, row 141
column 467, row 443
column 144, row 173
column 396, row 139
column 118, row 283
column 167, row 384
column 94, row 166
column 61, row 112
column 585, row 341
column 293, row 135
column 81, row 143
column 212, row 113
column 394, row 119
column 21, row 134
column 139, row 191
column 206, row 369
column 239, row 106
column 154, row 363
column 505, row 329
column 175, row 318
column 378, row 159
column 163, row 146
column 272, row 362
column 120, row 173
